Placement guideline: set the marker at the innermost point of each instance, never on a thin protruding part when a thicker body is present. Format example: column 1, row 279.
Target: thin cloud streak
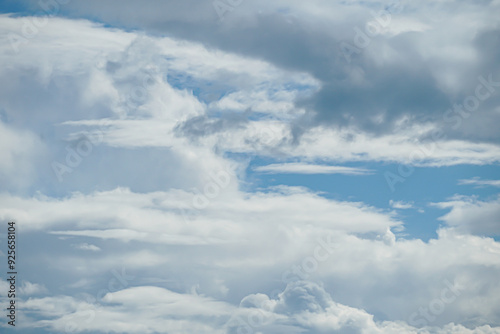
column 302, row 168
column 476, row 181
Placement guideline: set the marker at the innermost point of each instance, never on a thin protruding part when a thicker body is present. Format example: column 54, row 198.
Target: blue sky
column 419, row 189
column 259, row 167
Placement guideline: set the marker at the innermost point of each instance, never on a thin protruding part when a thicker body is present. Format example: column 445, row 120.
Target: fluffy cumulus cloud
column 135, row 137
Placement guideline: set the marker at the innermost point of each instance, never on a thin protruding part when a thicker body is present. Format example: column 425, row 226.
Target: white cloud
column 86, row 246
column 120, row 213
column 301, row 306
column 128, row 81
column 232, row 246
column 469, row 215
column 144, row 309
column 21, row 150
column 252, row 240
column 129, row 73
column 478, row 182
column 401, row 205
column 28, row 289
column 302, row 168
column 349, row 145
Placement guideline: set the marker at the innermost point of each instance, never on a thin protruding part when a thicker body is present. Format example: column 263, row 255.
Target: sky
column 251, row 167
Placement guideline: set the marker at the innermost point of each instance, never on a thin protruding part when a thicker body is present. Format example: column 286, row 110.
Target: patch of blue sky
column 21, row 9
column 293, row 86
column 425, row 186
column 208, row 91
column 205, row 90
column 273, row 88
column 16, row 8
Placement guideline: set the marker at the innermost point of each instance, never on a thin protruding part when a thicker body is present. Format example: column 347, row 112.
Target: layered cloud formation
column 135, row 138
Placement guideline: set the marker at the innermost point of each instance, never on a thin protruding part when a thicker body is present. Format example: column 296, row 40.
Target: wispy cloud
column 401, row 204
column 476, row 181
column 86, row 246
column 302, row 168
